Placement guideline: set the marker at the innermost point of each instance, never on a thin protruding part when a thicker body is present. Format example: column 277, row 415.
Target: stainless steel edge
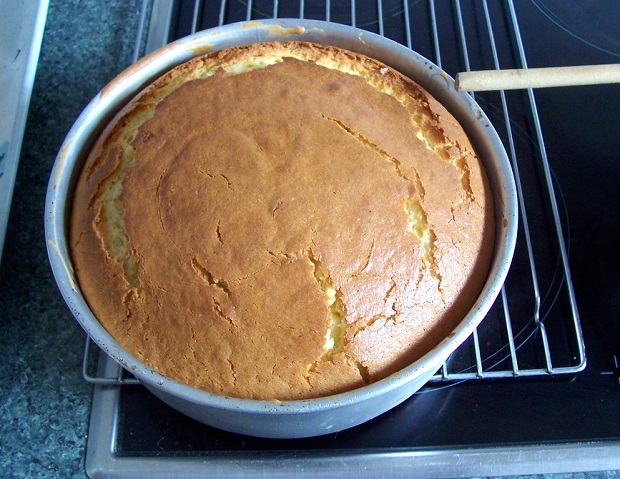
column 102, row 461
column 21, row 34
column 159, row 27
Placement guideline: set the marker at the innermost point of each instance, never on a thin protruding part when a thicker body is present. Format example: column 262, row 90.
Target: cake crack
column 110, row 227
column 109, row 223
column 335, row 337
column 426, row 122
column 366, row 262
column 430, row 132
column 220, row 311
column 417, row 218
column 370, row 144
column 218, row 231
column 233, row 370
column 160, row 216
column 434, row 139
column 219, row 176
column 363, row 370
column 208, row 277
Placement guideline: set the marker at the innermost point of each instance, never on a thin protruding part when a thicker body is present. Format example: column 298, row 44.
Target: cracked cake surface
column 281, row 221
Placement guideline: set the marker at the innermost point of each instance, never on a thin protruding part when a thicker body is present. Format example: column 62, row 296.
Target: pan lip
column 112, row 97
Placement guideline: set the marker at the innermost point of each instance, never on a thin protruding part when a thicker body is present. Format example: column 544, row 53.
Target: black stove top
column 545, row 415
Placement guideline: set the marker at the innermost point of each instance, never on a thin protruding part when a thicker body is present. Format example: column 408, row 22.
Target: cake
column 281, row 221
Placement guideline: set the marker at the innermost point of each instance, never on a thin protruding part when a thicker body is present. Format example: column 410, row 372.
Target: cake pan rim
column 246, row 32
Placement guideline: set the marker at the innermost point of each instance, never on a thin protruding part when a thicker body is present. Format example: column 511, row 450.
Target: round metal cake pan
column 286, row 419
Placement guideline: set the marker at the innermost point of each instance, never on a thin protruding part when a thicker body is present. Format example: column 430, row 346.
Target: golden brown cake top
column 281, row 221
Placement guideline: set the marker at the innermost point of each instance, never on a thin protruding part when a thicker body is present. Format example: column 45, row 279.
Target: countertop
column 44, row 401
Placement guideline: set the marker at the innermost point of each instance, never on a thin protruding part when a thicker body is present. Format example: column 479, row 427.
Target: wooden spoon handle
column 486, row 80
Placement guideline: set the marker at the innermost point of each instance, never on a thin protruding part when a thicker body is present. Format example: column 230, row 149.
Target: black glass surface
column 581, row 128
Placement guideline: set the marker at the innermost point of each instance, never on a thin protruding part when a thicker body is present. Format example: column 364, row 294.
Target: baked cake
column 281, row 221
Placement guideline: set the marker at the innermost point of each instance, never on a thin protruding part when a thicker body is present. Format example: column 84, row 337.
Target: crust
column 281, row 221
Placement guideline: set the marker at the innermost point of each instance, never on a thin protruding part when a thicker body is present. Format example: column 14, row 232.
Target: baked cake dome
column 281, row 221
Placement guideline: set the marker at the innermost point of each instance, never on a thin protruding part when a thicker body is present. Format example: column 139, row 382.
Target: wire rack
column 533, row 328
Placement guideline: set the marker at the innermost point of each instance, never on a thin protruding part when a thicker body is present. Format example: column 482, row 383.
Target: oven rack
column 533, row 330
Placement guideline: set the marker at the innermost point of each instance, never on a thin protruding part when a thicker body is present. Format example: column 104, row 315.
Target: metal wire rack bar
column 523, row 210
column 504, row 360
column 549, row 181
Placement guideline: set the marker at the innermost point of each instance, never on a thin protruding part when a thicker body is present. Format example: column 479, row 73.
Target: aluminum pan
column 288, row 418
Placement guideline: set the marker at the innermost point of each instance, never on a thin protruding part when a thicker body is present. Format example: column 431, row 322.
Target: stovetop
column 537, row 388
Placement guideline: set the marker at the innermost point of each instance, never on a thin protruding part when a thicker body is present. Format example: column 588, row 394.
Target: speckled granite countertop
column 44, row 401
